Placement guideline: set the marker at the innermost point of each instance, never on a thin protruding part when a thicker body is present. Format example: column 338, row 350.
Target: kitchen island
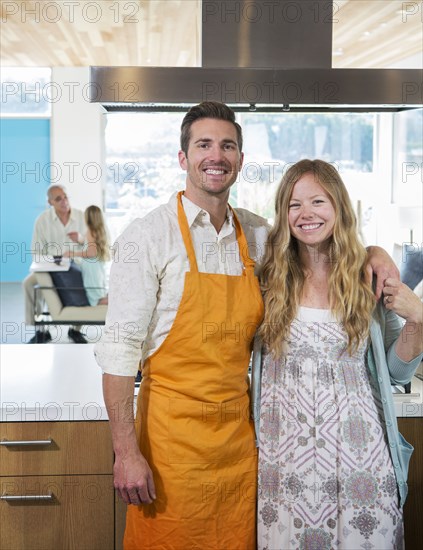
column 56, row 454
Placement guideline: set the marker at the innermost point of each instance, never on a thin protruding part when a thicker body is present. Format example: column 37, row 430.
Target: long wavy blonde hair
column 95, row 223
column 282, row 276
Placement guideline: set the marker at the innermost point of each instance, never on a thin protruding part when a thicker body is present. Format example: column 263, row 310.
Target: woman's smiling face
column 311, row 215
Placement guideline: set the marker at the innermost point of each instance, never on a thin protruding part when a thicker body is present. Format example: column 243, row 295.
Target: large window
column 274, row 141
column 378, row 156
column 408, row 144
column 143, row 169
column 27, row 92
column 408, row 174
column 142, row 164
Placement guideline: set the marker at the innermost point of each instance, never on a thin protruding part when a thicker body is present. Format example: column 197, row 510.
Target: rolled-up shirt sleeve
column 133, row 289
column 400, row 371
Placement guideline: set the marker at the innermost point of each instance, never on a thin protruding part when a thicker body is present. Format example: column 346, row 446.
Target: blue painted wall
column 25, row 177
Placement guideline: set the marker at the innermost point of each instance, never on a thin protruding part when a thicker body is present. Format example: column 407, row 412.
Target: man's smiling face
column 213, row 160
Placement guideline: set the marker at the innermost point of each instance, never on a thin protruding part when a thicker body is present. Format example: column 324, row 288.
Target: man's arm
column 76, row 237
column 79, row 229
column 132, row 300
column 382, row 266
column 89, row 249
column 133, row 477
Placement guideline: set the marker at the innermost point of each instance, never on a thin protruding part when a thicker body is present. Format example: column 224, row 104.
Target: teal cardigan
column 386, row 368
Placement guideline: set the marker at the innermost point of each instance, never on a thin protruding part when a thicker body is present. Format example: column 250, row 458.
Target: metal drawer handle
column 7, row 443
column 26, row 497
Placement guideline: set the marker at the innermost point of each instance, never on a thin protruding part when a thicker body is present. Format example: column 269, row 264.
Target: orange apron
column 193, row 416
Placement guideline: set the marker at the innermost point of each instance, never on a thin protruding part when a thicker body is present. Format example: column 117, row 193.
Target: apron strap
column 242, row 243
column 186, row 235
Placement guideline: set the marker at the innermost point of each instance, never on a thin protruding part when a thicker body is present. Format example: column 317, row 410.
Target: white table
column 48, row 264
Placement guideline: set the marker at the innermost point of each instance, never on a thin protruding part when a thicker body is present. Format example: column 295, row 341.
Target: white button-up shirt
column 50, row 236
column 147, row 277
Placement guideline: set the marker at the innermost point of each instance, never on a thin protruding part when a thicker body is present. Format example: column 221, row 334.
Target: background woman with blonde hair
column 94, row 256
column 332, row 465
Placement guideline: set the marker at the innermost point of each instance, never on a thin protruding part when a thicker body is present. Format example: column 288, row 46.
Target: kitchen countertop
column 410, row 404
column 62, row 382
column 50, row 382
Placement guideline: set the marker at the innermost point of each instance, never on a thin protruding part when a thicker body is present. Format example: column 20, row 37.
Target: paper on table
column 49, row 264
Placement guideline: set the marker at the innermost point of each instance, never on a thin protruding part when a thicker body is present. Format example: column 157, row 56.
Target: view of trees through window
column 275, row 141
column 143, row 169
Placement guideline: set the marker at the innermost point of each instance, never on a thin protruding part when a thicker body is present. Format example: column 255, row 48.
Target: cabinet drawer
column 55, row 448
column 78, row 515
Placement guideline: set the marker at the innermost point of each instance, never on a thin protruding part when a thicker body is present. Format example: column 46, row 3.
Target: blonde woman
column 332, row 465
column 94, row 256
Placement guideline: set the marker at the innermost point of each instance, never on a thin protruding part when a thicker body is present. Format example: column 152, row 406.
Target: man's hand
column 76, row 237
column 403, row 301
column 133, row 479
column 381, row 265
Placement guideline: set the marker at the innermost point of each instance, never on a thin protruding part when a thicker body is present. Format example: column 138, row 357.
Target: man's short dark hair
column 208, row 109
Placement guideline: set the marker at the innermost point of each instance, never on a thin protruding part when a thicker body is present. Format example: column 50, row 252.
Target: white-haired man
column 55, row 230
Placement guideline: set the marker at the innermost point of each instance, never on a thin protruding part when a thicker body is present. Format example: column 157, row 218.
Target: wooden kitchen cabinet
column 67, row 481
column 120, row 522
column 75, row 448
column 79, row 515
column 412, row 430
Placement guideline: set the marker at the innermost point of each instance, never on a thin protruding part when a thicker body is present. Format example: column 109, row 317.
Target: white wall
column 77, row 137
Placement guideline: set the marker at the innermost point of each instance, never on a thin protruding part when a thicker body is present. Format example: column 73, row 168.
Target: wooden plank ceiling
column 377, row 33
column 367, row 33
column 101, row 32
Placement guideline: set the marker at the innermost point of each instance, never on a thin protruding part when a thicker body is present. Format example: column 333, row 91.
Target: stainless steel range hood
column 252, row 59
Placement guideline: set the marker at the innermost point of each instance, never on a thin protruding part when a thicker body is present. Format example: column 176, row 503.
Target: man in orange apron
column 188, row 470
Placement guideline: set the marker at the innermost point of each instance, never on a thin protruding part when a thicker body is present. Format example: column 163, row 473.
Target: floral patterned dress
column 326, row 479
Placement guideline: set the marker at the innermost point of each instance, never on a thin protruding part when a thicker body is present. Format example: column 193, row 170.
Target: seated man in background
column 55, row 230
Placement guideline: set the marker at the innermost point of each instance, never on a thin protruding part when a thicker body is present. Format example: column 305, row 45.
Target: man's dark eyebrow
column 207, row 140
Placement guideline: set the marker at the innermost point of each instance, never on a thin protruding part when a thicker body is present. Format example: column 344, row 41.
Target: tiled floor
column 12, row 316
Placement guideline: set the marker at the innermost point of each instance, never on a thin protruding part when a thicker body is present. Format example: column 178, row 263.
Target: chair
column 56, row 313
